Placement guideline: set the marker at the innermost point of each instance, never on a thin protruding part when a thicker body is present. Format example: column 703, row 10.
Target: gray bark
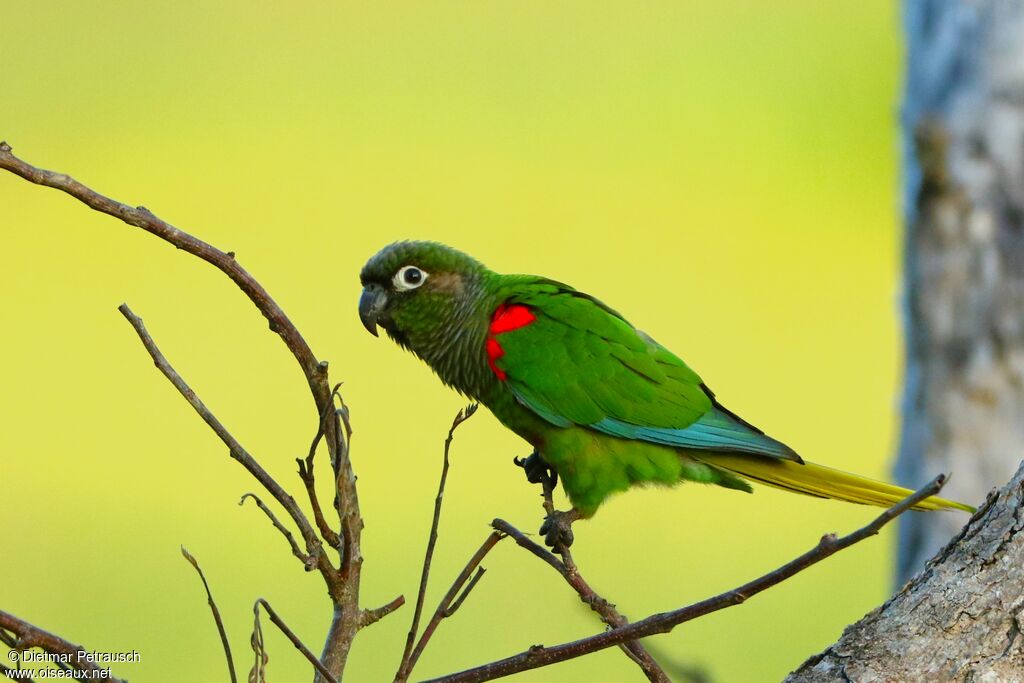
column 958, row 620
column 963, row 128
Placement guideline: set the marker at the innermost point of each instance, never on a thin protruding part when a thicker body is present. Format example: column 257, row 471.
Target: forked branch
column 414, row 649
column 294, row 639
column 538, row 655
column 633, row 649
column 473, row 572
column 343, row 581
column 238, row 452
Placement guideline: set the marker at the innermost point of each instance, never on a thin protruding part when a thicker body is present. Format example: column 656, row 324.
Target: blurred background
column 723, row 172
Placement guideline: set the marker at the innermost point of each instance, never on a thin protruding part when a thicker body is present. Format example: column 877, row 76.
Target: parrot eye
column 408, row 277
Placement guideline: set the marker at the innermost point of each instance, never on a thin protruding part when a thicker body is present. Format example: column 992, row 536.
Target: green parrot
column 603, row 405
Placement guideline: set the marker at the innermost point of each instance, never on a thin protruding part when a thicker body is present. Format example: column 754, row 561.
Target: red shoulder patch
column 508, row 318
column 505, row 319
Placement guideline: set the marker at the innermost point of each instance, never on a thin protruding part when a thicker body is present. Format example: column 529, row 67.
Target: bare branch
column 538, row 655
column 308, row 561
column 605, row 610
column 525, row 542
column 142, row 217
column 454, row 607
column 346, row 501
column 372, row 616
column 236, row 450
column 28, row 636
column 258, row 673
column 571, row 573
column 293, row 638
column 450, row 602
column 405, row 667
column 216, row 613
column 306, row 473
column 342, row 584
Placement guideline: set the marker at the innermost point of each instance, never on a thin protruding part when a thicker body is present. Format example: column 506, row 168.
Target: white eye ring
column 408, row 277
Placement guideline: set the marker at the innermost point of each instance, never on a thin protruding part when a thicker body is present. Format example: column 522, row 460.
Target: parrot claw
column 537, row 471
column 557, row 528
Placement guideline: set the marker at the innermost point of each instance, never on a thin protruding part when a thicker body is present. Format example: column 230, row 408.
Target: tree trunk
column 963, row 121
column 958, row 620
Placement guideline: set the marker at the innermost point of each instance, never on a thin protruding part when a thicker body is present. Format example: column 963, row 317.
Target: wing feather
column 580, row 363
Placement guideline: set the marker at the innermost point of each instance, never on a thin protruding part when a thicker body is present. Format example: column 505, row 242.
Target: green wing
column 580, row 363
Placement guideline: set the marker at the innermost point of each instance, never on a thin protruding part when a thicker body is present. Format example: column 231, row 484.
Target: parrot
column 604, row 406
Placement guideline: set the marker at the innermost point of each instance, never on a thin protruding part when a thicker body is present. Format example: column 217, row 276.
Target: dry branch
column 633, row 649
column 467, row 579
column 28, row 636
column 451, row 601
column 308, row 475
column 141, row 217
column 216, row 613
column 371, row 616
column 959, row 619
column 408, row 656
column 342, row 583
column 538, row 655
column 313, row 545
column 290, row 635
column 308, row 561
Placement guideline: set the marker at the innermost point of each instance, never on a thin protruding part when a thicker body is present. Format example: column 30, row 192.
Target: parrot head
column 422, row 293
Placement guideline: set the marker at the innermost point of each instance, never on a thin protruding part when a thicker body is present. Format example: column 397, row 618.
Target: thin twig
column 664, row 622
column 258, row 673
column 523, row 541
column 216, row 613
column 294, row 639
column 306, row 473
column 528, row 544
column 141, row 217
column 307, row 560
column 237, row 451
column 371, row 616
column 29, row 636
column 405, row 666
column 346, row 498
column 604, row 608
column 448, row 605
column 343, row 585
column 454, row 607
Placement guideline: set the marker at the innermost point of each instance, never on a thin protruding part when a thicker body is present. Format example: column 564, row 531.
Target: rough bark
column 960, row 619
column 963, row 128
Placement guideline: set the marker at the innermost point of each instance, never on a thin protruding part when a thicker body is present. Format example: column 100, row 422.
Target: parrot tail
column 819, row 481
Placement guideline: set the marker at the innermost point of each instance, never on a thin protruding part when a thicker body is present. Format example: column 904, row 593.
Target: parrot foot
column 557, row 528
column 537, row 471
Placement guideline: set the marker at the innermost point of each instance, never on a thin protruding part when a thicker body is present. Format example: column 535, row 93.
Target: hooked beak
column 371, row 303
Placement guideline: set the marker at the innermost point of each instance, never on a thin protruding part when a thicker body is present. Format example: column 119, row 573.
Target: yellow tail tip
column 823, row 482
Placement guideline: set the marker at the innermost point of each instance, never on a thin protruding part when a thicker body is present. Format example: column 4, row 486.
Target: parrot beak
column 371, row 303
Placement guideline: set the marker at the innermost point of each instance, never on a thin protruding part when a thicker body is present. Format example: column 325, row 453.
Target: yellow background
column 724, row 172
